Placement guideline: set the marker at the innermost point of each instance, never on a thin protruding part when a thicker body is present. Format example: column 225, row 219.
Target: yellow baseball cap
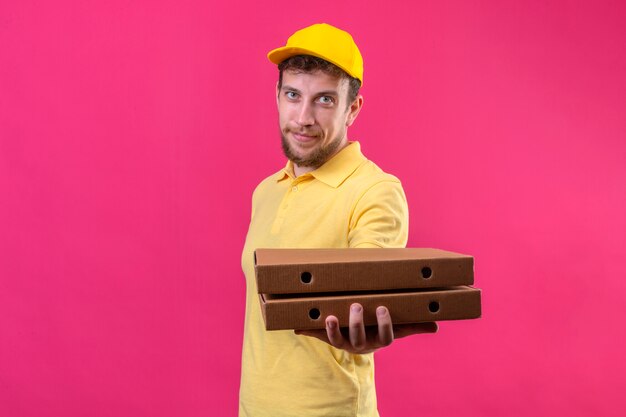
column 323, row 41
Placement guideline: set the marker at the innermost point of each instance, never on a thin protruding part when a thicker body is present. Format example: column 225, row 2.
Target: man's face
column 314, row 116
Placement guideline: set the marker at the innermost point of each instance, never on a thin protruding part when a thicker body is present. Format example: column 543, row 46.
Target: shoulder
column 267, row 184
column 380, row 216
column 370, row 179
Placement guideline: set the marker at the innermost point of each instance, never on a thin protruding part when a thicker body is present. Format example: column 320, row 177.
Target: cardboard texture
column 309, row 312
column 294, row 271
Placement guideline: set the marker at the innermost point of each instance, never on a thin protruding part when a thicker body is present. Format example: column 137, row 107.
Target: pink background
column 133, row 133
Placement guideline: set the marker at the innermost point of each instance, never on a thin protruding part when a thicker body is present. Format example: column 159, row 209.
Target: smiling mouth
column 302, row 137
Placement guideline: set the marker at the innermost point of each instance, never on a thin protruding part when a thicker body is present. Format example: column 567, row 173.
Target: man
column 328, row 195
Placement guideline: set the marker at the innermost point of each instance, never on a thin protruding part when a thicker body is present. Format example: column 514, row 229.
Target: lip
column 300, row 137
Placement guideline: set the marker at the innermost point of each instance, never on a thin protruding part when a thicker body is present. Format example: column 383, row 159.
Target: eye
column 291, row 95
column 326, row 100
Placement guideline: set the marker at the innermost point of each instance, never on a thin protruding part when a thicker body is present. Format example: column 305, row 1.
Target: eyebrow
column 328, row 93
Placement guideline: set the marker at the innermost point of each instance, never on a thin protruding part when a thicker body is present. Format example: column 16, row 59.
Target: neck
column 298, row 170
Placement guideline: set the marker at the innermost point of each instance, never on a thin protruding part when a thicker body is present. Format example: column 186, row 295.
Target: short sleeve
column 380, row 217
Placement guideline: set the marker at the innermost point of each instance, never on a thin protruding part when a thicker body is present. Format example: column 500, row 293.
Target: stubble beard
column 316, row 159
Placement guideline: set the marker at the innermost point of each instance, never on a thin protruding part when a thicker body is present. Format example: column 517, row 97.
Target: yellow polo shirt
column 347, row 202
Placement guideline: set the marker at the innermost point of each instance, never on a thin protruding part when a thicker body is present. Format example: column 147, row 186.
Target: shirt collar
column 335, row 170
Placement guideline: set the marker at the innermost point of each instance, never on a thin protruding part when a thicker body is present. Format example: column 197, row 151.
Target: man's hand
column 359, row 339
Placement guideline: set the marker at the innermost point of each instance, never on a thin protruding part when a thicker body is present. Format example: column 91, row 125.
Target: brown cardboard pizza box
column 282, row 312
column 293, row 271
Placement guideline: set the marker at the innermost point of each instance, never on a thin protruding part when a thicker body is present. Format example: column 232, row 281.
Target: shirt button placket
column 283, row 209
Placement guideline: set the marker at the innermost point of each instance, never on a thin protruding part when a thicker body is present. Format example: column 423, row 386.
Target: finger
column 403, row 330
column 385, row 327
column 356, row 326
column 333, row 333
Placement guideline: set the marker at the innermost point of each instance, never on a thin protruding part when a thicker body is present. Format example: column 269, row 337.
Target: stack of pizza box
column 299, row 288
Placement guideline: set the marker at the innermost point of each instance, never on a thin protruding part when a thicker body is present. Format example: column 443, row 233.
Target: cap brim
column 278, row 55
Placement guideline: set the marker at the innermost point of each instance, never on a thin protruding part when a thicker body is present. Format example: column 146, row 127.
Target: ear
column 277, row 93
column 354, row 109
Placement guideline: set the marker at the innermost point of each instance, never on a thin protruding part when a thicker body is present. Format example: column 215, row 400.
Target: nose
column 305, row 115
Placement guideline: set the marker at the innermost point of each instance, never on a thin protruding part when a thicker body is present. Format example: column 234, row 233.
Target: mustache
column 311, row 130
